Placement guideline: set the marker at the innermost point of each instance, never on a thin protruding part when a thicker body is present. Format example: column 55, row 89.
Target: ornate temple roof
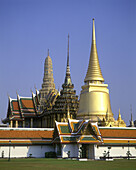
column 83, row 131
column 68, row 100
column 77, row 131
column 94, row 71
column 22, row 107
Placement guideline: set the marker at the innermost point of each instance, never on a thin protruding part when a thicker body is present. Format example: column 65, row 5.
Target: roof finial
column 8, row 95
column 31, row 91
column 48, row 52
column 16, row 93
column 35, row 87
column 119, row 116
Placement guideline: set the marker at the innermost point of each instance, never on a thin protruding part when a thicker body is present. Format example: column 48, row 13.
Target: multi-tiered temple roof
column 66, row 104
column 21, row 108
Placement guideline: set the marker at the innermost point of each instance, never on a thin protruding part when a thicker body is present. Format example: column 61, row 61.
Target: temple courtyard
column 60, row 164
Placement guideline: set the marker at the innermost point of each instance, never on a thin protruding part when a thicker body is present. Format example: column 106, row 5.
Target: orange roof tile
column 21, row 134
column 15, row 105
column 27, row 103
column 120, row 133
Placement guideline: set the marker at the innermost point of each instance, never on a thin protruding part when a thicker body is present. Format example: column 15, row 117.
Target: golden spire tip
column 48, row 52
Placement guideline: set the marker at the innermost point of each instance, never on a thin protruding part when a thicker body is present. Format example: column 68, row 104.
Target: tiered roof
column 22, row 107
column 48, row 81
column 68, row 100
column 83, row 131
column 77, row 131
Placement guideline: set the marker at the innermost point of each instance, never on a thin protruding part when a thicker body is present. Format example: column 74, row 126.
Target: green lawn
column 54, row 164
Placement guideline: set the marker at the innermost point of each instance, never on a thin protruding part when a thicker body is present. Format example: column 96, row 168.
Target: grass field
column 54, row 164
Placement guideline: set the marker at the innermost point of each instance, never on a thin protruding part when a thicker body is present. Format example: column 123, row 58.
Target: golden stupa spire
column 94, row 72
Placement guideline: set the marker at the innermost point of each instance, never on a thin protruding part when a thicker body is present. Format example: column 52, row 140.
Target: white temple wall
column 73, row 148
column 115, row 151
column 25, row 151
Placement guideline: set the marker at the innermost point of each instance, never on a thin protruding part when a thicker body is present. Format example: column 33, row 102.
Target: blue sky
column 29, row 27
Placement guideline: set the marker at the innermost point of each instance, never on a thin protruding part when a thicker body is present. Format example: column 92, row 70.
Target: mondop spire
column 68, row 77
column 94, row 72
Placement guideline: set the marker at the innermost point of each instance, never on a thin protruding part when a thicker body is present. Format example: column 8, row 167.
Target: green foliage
column 50, row 155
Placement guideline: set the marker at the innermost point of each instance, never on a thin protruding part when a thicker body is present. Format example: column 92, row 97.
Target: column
column 11, row 123
column 24, row 124
column 16, row 124
column 31, row 122
column 54, row 120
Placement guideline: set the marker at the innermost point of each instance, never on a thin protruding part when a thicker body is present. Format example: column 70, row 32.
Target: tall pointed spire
column 94, row 71
column 68, row 77
column 48, row 53
column 48, row 80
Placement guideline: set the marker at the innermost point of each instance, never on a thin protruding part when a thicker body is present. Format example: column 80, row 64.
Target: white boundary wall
column 115, row 151
column 25, row 151
column 73, row 148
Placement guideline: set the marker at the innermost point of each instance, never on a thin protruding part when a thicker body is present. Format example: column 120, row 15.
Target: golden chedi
column 94, row 101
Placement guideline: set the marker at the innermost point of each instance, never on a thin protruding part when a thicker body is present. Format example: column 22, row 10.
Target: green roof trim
column 88, row 139
column 76, row 125
column 64, row 129
column 94, row 130
column 70, row 139
column 82, row 128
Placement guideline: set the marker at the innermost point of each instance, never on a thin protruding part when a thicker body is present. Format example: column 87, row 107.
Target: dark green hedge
column 50, row 155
